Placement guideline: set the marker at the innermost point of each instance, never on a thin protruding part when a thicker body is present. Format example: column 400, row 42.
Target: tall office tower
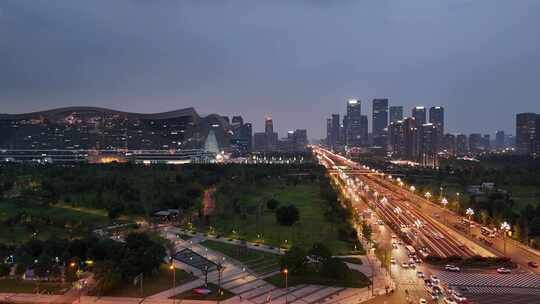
column 475, row 143
column 525, row 132
column 329, row 132
column 300, row 139
column 500, row 140
column 396, row 138
column 419, row 114
column 486, row 142
column 537, row 136
column 380, row 117
column 448, row 144
column 259, row 142
column 241, row 142
column 436, row 117
column 428, row 145
column 396, row 113
column 335, row 131
column 462, row 144
column 268, row 126
column 246, row 132
column 364, row 133
column 353, row 128
column 410, row 140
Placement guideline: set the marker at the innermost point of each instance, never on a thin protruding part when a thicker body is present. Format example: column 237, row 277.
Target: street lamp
column 505, row 227
column 469, row 212
column 286, row 273
column 413, row 188
column 444, row 202
column 173, row 269
column 427, row 195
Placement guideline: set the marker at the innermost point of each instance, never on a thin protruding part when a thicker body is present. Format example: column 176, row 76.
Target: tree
column 335, row 268
column 287, row 215
column 366, row 231
column 319, row 253
column 4, row 270
column 107, row 276
column 295, row 260
column 43, row 265
column 272, row 204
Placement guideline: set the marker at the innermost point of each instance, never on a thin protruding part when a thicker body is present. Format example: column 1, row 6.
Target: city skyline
column 166, row 56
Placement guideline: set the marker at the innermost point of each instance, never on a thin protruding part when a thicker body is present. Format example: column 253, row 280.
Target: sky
column 298, row 61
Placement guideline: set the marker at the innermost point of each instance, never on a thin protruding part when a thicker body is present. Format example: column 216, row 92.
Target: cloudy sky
column 296, row 60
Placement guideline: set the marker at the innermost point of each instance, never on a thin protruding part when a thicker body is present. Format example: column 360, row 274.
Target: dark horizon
column 297, row 62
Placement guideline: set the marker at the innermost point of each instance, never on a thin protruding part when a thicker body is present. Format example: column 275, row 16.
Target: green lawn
column 213, row 296
column 354, row 279
column 152, row 285
column 39, row 217
column 22, row 286
column 257, row 261
column 312, row 227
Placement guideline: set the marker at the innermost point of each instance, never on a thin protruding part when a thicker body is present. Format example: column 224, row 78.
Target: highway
column 415, row 226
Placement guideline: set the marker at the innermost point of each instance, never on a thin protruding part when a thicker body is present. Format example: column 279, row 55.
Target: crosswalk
column 521, row 280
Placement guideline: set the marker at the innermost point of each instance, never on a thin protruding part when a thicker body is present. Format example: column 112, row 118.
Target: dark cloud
column 296, row 60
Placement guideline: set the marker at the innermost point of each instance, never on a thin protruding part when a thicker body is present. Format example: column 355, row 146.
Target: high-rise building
column 537, row 136
column 448, row 144
column 241, row 141
column 475, row 143
column 353, row 128
column 329, row 132
column 396, row 113
column 419, row 114
column 364, row 129
column 335, row 131
column 259, row 142
column 268, row 126
column 500, row 140
column 411, row 138
column 428, row 145
column 380, row 117
column 462, row 145
column 436, row 117
column 486, row 142
column 525, row 132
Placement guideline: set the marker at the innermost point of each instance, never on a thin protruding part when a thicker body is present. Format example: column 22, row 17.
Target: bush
column 4, row 270
column 335, row 268
column 272, row 204
column 294, row 260
column 287, row 215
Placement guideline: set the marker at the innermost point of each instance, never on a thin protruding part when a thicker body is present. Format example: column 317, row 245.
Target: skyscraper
column 448, row 144
column 268, row 126
column 353, row 128
column 436, row 117
column 475, row 143
column 335, row 131
column 428, row 145
column 525, row 132
column 329, row 132
column 419, row 114
column 500, row 140
column 396, row 113
column 411, row 144
column 364, row 129
column 462, row 145
column 380, row 117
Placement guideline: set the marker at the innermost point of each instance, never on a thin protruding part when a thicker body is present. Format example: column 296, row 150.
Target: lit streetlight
column 427, row 195
column 286, row 273
column 505, row 227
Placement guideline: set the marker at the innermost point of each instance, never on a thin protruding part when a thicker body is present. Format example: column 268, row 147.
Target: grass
column 213, row 296
column 22, row 286
column 312, row 227
column 40, row 218
column 257, row 261
column 163, row 280
column 354, row 279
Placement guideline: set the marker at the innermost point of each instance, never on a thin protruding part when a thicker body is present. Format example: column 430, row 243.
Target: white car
column 503, row 270
column 404, row 265
column 422, row 301
column 420, row 274
column 452, row 268
column 392, row 260
column 435, row 280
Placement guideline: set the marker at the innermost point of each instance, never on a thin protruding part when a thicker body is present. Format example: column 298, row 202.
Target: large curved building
column 85, row 128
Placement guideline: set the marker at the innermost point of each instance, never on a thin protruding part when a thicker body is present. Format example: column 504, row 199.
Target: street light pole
column 505, row 227
column 286, row 272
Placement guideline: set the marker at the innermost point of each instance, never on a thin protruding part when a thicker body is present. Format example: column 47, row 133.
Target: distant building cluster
column 91, row 128
column 267, row 141
column 419, row 137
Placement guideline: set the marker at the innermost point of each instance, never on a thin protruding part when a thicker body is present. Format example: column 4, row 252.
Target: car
column 533, row 264
column 404, row 265
column 503, row 270
column 434, row 296
column 420, row 274
column 458, row 297
column 380, row 222
column 422, row 301
column 452, row 268
column 412, row 265
column 449, row 301
column 417, row 260
column 393, row 260
column 434, row 279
